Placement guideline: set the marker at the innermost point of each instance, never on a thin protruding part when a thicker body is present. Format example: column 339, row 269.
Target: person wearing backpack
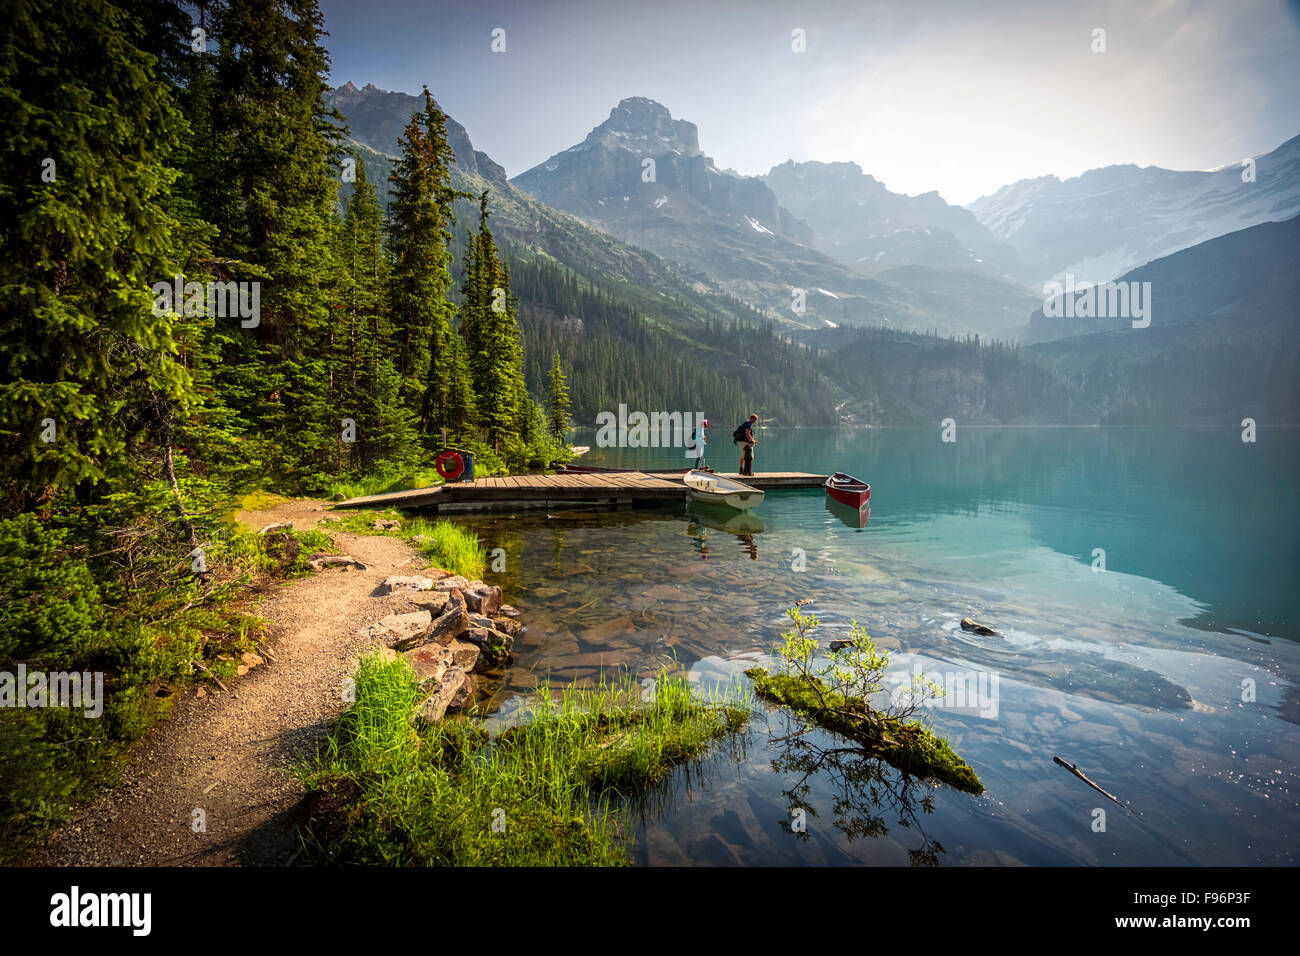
column 744, row 433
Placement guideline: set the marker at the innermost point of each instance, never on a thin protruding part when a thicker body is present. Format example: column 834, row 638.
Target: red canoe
column 848, row 490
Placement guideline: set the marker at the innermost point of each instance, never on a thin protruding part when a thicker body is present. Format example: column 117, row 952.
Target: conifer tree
column 557, row 400
column 491, row 334
column 420, row 212
column 88, row 371
column 278, row 156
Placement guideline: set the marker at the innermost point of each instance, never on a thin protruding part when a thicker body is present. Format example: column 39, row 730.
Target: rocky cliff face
column 862, row 224
column 606, row 175
column 376, row 118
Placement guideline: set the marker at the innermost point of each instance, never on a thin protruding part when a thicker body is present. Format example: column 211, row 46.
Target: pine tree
column 492, row 340
column 276, row 154
column 89, row 373
column 557, row 400
column 387, row 431
column 420, row 213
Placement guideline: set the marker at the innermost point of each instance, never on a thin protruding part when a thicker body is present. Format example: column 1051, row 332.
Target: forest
column 310, row 343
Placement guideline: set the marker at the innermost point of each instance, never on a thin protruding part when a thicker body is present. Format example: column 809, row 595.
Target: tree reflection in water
column 867, row 792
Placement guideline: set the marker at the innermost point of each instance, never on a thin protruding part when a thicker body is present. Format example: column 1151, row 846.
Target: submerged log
column 968, row 625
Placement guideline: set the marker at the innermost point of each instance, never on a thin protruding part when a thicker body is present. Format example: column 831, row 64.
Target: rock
column 278, row 526
column 485, row 600
column 319, row 562
column 455, row 582
column 420, row 540
column 456, row 598
column 396, row 581
column 450, row 625
column 339, row 497
column 840, row 645
column 429, row 662
column 386, row 654
column 453, row 690
column 488, row 637
column 384, row 524
column 250, row 659
column 507, row 626
column 968, row 625
column 602, row 632
column 201, row 692
column 434, row 602
column 663, row 592
column 509, row 610
column 464, row 654
column 396, row 628
column 464, row 693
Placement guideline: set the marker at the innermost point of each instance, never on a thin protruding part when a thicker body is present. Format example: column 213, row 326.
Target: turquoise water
column 1142, row 674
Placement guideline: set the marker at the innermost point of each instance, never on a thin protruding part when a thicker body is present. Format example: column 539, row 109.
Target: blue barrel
column 468, row 473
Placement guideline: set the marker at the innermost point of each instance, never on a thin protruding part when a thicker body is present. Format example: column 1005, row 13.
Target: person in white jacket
column 698, row 444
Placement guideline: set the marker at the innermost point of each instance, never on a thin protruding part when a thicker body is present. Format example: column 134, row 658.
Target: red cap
column 706, row 423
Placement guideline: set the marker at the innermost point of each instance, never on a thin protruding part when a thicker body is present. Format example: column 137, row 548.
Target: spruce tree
column 278, row 156
column 88, row 371
column 491, row 334
column 420, row 220
column 557, row 400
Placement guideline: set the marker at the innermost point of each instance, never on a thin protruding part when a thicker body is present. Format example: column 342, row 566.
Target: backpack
column 741, row 433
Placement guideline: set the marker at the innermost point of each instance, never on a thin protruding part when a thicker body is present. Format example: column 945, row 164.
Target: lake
column 1142, row 581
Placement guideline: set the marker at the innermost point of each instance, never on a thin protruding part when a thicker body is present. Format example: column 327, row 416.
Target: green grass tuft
column 548, row 792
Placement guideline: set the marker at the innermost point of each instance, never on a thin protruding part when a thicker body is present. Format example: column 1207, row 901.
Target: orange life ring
column 450, row 465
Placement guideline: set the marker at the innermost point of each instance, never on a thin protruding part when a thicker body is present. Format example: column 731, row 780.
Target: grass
column 907, row 745
column 384, row 480
column 548, row 792
column 447, row 545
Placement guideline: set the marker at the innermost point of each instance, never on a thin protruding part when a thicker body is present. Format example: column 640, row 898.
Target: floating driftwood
column 1074, row 769
column 968, row 625
column 907, row 745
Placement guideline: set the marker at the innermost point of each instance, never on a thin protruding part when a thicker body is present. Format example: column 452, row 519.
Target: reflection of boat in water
column 722, row 518
column 717, row 490
column 853, row 517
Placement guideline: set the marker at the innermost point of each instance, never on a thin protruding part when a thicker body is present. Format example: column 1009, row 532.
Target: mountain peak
column 349, row 91
column 645, row 125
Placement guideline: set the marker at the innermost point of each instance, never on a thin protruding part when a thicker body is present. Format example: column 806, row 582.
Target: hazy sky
column 962, row 97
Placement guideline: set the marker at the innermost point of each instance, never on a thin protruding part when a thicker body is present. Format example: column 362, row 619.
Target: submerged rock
column 968, row 625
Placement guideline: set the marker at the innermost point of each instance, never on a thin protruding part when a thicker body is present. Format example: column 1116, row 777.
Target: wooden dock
column 596, row 489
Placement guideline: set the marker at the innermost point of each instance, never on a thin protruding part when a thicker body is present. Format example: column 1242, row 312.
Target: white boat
column 715, row 489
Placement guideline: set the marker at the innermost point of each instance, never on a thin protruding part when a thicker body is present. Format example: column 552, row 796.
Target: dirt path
column 228, row 754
